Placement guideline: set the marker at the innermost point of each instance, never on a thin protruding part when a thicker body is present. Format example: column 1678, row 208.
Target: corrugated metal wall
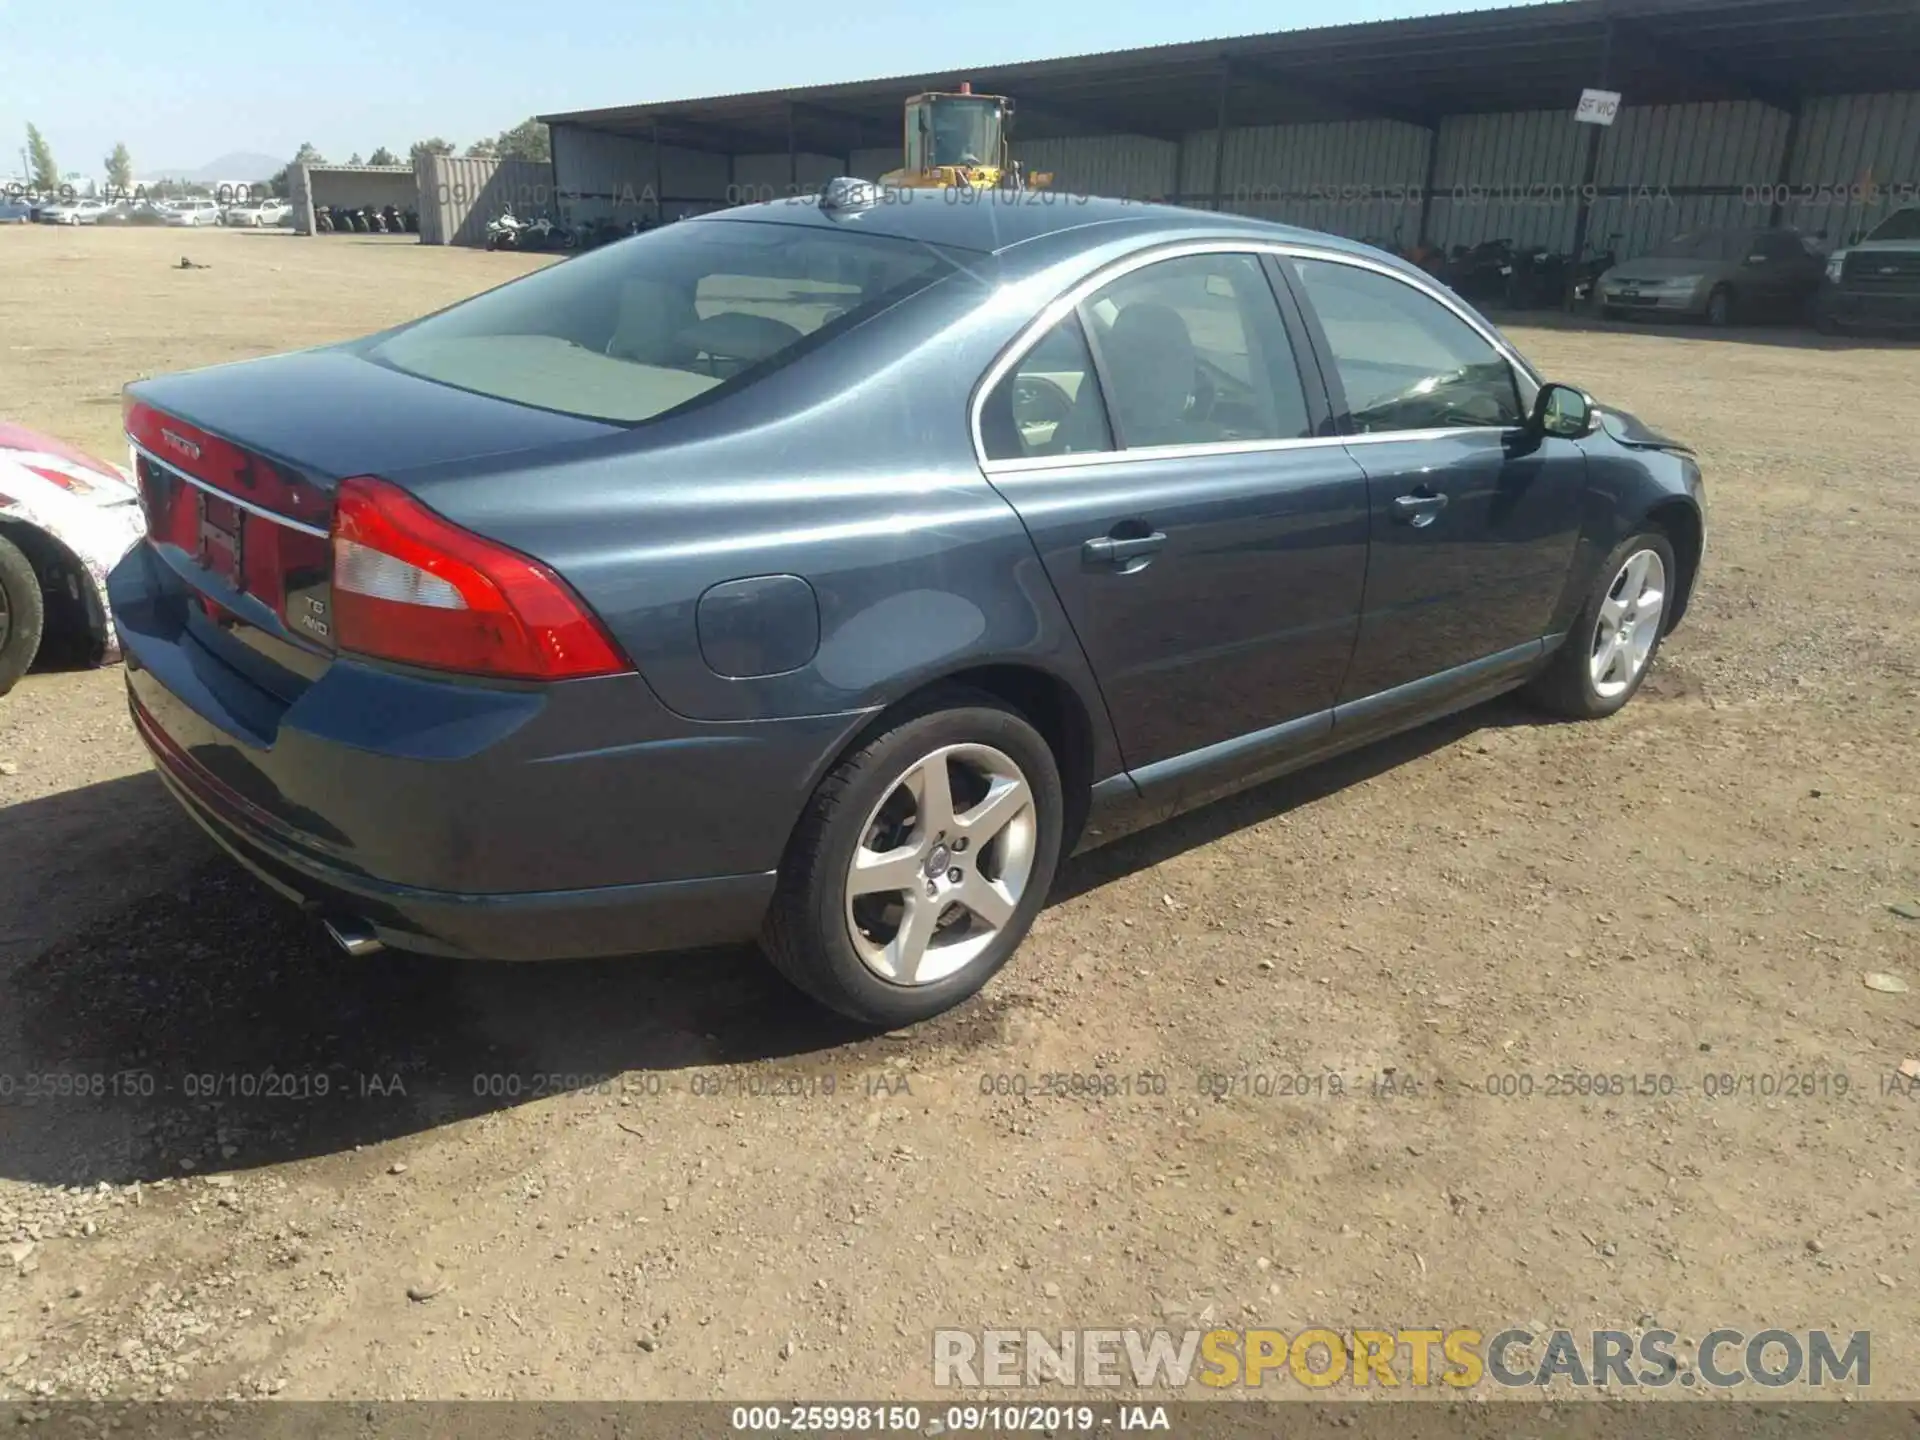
column 1858, row 158
column 771, row 177
column 1520, row 177
column 459, row 194
column 603, row 176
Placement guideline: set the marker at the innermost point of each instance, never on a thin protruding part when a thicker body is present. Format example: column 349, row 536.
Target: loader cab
column 963, row 130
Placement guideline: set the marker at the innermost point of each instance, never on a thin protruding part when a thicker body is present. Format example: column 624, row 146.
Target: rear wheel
column 920, row 862
column 1720, row 307
column 1607, row 654
column 23, row 615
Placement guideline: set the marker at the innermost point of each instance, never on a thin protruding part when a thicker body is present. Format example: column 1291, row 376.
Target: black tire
column 23, row 615
column 806, row 931
column 1566, row 687
column 1720, row 307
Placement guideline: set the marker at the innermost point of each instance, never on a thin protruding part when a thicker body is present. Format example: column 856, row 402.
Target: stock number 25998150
column 1073, row 1084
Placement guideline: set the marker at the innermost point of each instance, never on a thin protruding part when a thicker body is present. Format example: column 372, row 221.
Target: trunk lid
column 237, row 468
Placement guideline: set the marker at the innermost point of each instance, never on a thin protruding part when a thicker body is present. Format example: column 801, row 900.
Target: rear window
column 637, row 330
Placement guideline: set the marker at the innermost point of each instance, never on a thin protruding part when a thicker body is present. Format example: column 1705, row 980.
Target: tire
column 1569, row 685
column 23, row 615
column 1720, row 307
column 839, row 948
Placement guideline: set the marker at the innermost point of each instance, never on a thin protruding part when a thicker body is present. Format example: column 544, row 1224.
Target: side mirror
column 1562, row 412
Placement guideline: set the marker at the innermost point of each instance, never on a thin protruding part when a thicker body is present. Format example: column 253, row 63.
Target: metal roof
column 1528, row 57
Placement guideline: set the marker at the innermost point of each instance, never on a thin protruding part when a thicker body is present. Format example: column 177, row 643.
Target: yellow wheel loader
column 959, row 140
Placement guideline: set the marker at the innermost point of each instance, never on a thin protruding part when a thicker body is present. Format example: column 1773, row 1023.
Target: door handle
column 1419, row 510
column 1106, row 550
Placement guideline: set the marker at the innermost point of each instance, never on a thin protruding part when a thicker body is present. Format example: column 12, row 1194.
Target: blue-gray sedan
column 823, row 571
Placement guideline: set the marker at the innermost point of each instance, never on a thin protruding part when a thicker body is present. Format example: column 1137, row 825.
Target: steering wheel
column 1040, row 401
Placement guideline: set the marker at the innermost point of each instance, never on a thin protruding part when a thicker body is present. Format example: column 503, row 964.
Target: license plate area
column 222, row 540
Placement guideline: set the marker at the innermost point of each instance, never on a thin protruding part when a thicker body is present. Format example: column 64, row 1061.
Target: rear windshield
column 1901, row 225
column 1699, row 245
column 635, row 330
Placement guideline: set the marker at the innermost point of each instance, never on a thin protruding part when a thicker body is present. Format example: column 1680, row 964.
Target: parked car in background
column 253, row 214
column 73, row 212
column 1720, row 276
column 65, row 518
column 15, row 210
column 192, row 212
column 1875, row 283
column 794, row 571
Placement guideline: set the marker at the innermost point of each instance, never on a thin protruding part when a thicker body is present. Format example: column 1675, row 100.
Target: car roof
column 993, row 221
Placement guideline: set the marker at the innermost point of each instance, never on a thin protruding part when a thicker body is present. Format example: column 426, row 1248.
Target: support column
column 1426, row 186
column 659, row 178
column 793, row 155
column 1784, row 177
column 1220, row 140
column 1584, row 216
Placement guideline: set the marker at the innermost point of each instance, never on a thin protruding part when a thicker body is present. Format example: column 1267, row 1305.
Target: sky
column 183, row 82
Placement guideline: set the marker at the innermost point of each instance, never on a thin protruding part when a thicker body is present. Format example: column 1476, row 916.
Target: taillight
column 411, row 586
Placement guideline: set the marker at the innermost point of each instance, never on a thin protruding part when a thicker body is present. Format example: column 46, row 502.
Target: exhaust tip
column 356, row 937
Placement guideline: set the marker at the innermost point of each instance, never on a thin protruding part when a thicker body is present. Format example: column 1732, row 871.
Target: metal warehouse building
column 1451, row 129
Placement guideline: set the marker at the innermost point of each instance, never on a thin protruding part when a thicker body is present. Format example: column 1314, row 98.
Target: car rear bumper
column 528, row 925
column 554, row 822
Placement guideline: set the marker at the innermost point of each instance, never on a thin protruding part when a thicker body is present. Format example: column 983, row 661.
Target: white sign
column 1597, row 107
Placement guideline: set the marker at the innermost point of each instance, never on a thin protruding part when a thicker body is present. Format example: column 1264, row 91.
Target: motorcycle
column 322, row 220
column 1481, row 273
column 410, row 219
column 1586, row 273
column 504, row 231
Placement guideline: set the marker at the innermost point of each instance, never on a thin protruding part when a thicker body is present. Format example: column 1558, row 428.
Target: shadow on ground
column 1787, row 335
column 213, row 1027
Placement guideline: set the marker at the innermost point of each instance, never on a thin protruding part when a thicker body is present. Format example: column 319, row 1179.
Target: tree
column 484, row 150
column 526, row 141
column 46, row 174
column 383, row 156
column 119, row 170
column 435, row 146
column 354, row 159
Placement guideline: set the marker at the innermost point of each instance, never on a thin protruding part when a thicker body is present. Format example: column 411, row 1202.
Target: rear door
column 1473, row 519
column 1169, row 457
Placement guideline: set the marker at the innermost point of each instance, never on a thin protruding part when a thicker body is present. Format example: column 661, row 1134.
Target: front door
column 1474, row 520
column 1209, row 550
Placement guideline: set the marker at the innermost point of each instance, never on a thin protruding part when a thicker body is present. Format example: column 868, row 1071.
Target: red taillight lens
column 411, row 586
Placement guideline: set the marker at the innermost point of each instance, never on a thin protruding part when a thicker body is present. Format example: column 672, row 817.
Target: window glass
column 1901, row 225
column 1049, row 403
column 1406, row 361
column 635, row 330
column 1195, row 353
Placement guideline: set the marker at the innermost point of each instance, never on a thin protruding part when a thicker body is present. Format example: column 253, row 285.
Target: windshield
column 1901, row 225
column 957, row 130
column 635, row 330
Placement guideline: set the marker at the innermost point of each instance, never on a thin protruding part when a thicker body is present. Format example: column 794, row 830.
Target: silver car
column 1719, row 276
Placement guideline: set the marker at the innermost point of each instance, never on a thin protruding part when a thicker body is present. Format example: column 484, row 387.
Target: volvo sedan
column 824, row 571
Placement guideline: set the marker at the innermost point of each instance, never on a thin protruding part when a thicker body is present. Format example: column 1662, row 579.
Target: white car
column 73, row 212
column 68, row 520
column 258, row 213
column 192, row 212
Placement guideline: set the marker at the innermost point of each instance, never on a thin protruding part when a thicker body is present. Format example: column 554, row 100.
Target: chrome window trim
column 247, row 505
column 1058, row 308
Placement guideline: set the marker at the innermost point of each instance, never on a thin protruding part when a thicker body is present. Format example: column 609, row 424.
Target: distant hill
column 240, row 165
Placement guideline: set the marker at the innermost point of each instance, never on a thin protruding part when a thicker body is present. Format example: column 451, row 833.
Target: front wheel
column 22, row 615
column 1720, row 307
column 919, row 863
column 1606, row 656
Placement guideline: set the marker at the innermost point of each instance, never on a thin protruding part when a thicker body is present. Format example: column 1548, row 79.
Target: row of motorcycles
column 1496, row 272
column 365, row 220
column 507, row 231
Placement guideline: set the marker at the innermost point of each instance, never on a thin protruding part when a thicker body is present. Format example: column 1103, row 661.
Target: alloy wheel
column 1628, row 624
column 942, row 865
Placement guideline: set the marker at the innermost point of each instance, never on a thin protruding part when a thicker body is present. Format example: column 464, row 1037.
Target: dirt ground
column 668, row 1178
